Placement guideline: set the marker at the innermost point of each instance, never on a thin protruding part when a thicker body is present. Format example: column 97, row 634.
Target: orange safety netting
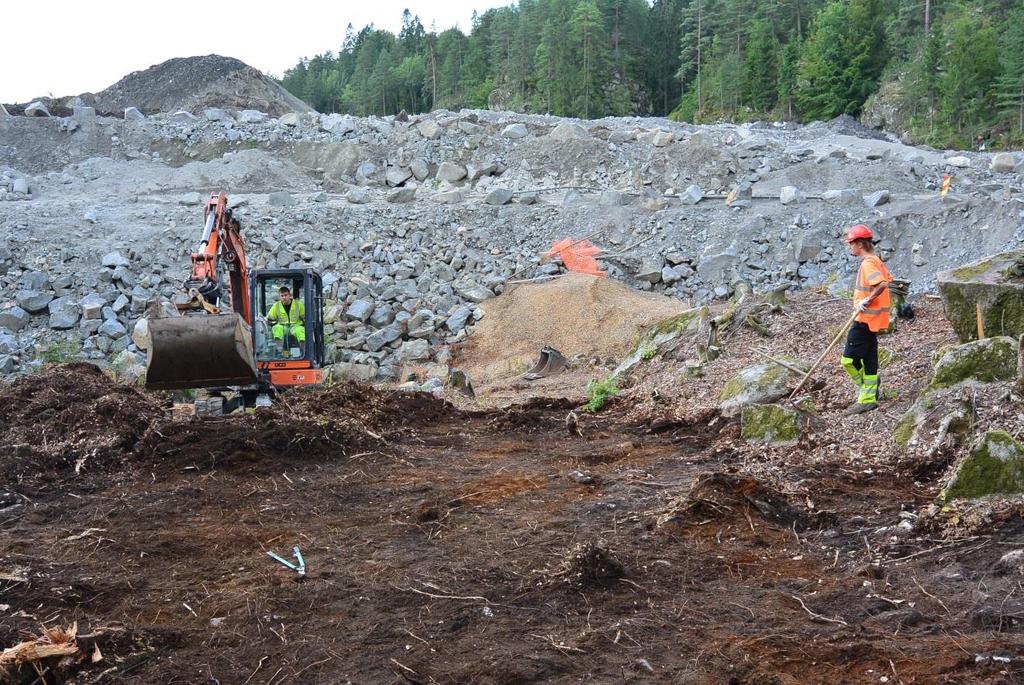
column 577, row 255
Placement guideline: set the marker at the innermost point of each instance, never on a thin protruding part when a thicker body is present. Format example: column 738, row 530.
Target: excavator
column 223, row 338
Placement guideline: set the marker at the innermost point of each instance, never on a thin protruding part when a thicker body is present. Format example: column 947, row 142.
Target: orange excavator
column 224, row 338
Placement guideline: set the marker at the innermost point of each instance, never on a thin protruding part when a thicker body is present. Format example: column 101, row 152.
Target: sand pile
column 576, row 314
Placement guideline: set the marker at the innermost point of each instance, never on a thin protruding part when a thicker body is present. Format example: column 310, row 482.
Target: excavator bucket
column 551, row 361
column 202, row 351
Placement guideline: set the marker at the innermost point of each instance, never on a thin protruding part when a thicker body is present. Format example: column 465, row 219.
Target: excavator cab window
column 281, row 329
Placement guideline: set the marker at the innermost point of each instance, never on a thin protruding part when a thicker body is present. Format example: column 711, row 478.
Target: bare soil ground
column 449, row 545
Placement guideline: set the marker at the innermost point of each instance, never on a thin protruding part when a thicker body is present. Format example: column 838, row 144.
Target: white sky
column 67, row 47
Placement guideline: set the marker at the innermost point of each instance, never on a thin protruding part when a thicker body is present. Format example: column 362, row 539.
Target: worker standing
column 871, row 300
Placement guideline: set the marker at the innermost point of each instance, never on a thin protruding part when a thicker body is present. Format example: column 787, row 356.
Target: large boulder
column 988, row 360
column 14, row 318
column 994, row 467
column 451, row 172
column 33, row 301
column 64, row 313
column 761, row 384
column 936, row 417
column 770, row 424
column 568, row 130
column 993, row 285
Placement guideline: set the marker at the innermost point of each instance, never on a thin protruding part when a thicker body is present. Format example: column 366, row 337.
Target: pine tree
column 971, row 64
column 788, row 69
column 760, row 70
column 588, row 38
column 842, row 60
column 1010, row 86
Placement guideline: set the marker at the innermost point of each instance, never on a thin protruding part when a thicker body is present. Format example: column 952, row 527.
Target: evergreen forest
column 949, row 73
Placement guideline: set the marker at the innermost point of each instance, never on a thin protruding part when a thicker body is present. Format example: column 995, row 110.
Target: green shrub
column 598, row 392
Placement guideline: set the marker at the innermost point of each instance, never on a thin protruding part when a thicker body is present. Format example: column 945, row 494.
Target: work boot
column 861, row 407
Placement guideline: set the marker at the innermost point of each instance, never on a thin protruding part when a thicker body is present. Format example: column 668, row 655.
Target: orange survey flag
column 577, row 256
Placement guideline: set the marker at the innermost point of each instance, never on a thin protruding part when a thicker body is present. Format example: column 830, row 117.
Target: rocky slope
column 188, row 84
column 416, row 222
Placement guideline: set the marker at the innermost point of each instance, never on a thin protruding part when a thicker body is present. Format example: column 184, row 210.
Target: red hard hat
column 859, row 232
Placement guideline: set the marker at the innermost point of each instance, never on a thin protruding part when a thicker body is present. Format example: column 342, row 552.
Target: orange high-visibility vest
column 873, row 272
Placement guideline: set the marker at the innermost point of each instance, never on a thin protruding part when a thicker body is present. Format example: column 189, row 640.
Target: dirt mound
column 68, row 416
column 317, row 426
column 193, row 83
column 576, row 314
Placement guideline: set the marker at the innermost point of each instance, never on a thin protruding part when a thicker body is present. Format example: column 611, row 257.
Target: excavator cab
column 288, row 338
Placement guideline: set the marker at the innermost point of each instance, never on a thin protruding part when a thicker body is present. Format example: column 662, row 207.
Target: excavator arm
column 208, row 346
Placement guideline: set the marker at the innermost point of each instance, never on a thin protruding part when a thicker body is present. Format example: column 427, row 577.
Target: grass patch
column 61, row 352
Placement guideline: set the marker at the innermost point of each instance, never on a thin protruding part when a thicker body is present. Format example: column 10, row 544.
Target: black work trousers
column 862, row 348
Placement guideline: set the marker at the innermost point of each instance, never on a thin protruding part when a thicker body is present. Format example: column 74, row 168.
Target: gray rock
column 614, row 198
column 112, row 329
column 320, row 196
column 83, row 113
column 429, row 129
column 458, row 319
column 414, row 351
column 528, row 199
column 568, row 130
column 397, row 175
column 692, row 195
column 761, row 384
column 183, row 117
column 133, row 114
column 92, row 306
column 14, row 318
column 402, row 195
column 499, row 196
column 338, row 124
column 382, row 316
column 33, row 301
column 366, row 173
column 112, row 260
column 360, row 310
column 6, row 361
column 37, row 109
column 669, row 275
column 8, row 343
column 280, row 198
column 358, row 195
column 20, row 186
column 650, row 270
column 845, row 196
column 960, row 162
column 476, row 171
column 1003, row 163
column 451, row 197
column 354, row 372
column 877, row 199
column 216, row 114
column 717, row 268
column 451, row 172
column 473, row 292
column 377, row 340
column 655, row 138
column 36, row 280
column 515, row 131
column 252, row 116
column 419, row 169
column 64, row 313
column 291, row 119
column 789, row 195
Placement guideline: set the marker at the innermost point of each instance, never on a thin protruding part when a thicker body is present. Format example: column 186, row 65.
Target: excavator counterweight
column 200, row 351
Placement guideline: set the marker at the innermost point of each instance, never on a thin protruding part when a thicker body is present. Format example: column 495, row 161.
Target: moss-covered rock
column 988, row 360
column 770, row 424
column 936, row 415
column 761, row 384
column 994, row 467
column 990, row 284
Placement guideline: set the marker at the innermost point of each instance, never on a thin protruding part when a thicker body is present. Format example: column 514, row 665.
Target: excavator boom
column 205, row 347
